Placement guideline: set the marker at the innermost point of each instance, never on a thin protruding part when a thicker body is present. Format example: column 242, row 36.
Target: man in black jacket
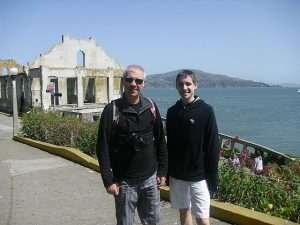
column 193, row 150
column 132, row 153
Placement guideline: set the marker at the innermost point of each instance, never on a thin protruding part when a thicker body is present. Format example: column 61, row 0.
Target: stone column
column 79, row 91
column 110, row 87
column 45, row 97
column 15, row 107
column 36, row 92
column 101, row 89
column 63, row 90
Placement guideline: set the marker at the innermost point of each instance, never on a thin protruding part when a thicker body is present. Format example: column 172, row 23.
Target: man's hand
column 161, row 181
column 113, row 189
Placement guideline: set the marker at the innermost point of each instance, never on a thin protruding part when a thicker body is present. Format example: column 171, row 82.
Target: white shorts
column 194, row 195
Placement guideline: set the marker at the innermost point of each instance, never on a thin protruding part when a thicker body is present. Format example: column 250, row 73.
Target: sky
column 257, row 40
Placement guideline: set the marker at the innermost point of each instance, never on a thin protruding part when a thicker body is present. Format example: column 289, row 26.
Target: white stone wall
column 60, row 63
column 105, row 90
column 64, row 55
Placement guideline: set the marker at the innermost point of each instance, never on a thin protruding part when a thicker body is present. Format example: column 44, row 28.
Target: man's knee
column 186, row 216
column 202, row 221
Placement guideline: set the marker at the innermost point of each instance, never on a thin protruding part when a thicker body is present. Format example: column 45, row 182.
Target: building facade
column 75, row 74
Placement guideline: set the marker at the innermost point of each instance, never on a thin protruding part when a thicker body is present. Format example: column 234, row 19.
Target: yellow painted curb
column 72, row 154
column 239, row 215
column 235, row 214
column 223, row 211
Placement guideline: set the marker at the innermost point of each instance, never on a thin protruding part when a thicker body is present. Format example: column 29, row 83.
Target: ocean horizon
column 265, row 116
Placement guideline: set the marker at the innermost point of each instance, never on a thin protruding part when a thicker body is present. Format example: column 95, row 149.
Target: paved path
column 38, row 188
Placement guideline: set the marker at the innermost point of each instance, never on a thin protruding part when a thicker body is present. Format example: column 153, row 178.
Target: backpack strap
column 152, row 108
column 116, row 114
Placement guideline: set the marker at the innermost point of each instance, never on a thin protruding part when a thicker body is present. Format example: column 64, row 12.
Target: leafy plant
column 263, row 193
column 51, row 127
column 86, row 139
column 33, row 124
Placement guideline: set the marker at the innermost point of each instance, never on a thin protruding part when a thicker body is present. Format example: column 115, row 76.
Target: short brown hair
column 185, row 73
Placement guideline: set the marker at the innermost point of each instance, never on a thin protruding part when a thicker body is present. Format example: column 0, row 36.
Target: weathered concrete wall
column 101, row 89
column 118, row 87
column 67, row 84
column 4, row 92
column 93, row 78
column 5, row 65
column 22, row 90
column 89, row 89
column 64, row 55
column 36, row 92
column 35, row 76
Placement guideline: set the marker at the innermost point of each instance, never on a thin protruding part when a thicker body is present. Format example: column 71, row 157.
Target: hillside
column 204, row 80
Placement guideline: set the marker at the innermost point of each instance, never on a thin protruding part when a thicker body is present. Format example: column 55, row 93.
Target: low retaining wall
column 223, row 211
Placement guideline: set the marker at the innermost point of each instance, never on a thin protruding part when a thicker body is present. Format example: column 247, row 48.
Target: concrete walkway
column 39, row 188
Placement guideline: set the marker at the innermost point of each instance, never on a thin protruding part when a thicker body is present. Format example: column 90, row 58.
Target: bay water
column 266, row 116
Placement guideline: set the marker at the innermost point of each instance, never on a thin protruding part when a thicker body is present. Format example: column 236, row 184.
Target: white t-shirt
column 258, row 165
column 236, row 162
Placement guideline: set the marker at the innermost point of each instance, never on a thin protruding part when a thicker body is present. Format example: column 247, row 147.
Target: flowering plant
column 270, row 193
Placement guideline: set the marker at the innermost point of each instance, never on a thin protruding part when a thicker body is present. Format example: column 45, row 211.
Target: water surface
column 266, row 116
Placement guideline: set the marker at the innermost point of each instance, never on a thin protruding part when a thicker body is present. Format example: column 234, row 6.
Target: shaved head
column 134, row 69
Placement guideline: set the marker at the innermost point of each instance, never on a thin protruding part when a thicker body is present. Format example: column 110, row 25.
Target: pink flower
column 228, row 142
column 268, row 168
column 222, row 152
column 258, row 172
column 246, row 152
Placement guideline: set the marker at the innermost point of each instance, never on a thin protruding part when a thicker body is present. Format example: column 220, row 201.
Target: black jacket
column 119, row 155
column 193, row 143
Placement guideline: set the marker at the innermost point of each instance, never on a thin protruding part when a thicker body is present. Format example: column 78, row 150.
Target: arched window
column 4, row 71
column 80, row 58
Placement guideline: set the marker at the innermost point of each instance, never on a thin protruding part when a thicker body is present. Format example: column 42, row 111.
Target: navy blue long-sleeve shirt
column 193, row 143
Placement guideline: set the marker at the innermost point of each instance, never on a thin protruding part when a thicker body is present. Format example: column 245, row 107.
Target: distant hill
column 290, row 85
column 204, row 80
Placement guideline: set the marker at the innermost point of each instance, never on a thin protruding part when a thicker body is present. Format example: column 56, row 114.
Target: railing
column 267, row 152
column 237, row 145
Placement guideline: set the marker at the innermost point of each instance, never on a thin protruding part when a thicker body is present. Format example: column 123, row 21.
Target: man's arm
column 102, row 147
column 161, row 149
column 211, row 152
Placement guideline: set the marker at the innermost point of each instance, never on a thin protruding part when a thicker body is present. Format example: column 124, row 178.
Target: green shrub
column 86, row 138
column 240, row 186
column 51, row 127
column 33, row 124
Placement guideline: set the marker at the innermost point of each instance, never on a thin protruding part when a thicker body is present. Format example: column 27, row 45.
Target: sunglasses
column 129, row 80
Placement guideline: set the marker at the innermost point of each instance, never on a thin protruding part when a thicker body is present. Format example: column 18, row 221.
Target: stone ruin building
column 75, row 76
